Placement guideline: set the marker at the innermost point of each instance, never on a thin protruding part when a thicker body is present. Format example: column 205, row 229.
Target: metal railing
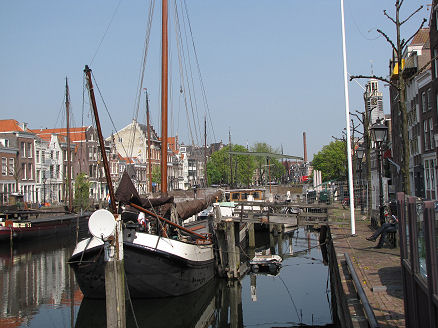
column 361, row 293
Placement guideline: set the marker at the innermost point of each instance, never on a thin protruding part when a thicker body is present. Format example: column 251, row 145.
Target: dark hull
column 149, row 272
column 191, row 310
column 44, row 228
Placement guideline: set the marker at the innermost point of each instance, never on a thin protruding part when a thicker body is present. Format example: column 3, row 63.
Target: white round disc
column 102, row 224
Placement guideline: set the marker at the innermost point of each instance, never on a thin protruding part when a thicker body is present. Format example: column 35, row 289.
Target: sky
column 271, row 69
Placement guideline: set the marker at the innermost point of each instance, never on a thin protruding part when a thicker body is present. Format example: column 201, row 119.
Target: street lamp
column 359, row 153
column 379, row 132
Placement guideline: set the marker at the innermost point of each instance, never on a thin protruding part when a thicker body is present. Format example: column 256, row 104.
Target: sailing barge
column 161, row 258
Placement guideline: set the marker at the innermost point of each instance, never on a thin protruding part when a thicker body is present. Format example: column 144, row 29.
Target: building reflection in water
column 35, row 274
column 38, row 289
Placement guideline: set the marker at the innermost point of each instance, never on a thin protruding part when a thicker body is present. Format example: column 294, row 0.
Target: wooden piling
column 236, row 317
column 233, row 252
column 251, row 234
column 115, row 294
column 115, row 280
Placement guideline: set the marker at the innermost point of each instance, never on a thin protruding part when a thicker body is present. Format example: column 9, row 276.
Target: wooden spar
column 167, row 221
column 149, row 142
column 164, row 91
column 67, row 110
column 87, row 71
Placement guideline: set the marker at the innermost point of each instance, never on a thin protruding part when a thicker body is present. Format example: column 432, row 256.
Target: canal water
column 38, row 289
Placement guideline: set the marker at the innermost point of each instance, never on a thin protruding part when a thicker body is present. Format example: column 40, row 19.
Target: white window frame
column 4, row 166
column 11, row 166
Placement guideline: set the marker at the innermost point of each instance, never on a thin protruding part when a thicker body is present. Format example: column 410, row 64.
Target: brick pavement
column 379, row 270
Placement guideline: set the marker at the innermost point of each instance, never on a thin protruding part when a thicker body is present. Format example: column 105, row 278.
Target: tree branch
column 390, row 18
column 357, row 116
column 404, row 43
column 416, row 11
column 398, row 4
column 352, row 77
column 387, row 39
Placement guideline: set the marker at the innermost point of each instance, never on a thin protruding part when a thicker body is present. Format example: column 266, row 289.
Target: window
column 4, row 166
column 429, row 99
column 431, row 137
column 38, row 176
column 43, row 156
column 51, row 154
column 58, row 170
column 51, row 171
column 423, row 101
column 23, row 148
column 29, row 166
column 436, row 19
column 23, row 171
column 235, row 196
column 11, row 166
column 426, row 137
column 29, row 150
column 435, row 61
column 426, row 168
column 37, row 156
column 57, row 155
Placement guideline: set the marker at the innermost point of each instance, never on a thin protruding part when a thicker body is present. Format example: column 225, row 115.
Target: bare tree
column 398, row 48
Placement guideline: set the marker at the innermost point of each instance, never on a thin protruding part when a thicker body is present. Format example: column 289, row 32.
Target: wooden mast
column 149, row 142
column 67, row 110
column 164, row 86
column 87, row 71
column 205, row 152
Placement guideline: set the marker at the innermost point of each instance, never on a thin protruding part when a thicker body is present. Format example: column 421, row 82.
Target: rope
column 141, row 77
column 106, row 31
column 183, row 69
column 130, row 300
column 191, row 78
column 106, row 108
column 204, row 94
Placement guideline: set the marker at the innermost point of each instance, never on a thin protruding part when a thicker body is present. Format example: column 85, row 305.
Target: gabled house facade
column 19, row 139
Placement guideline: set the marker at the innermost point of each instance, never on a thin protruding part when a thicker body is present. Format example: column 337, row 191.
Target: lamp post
column 359, row 153
column 379, row 132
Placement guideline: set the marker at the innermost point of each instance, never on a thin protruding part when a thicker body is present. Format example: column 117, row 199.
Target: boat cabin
column 243, row 195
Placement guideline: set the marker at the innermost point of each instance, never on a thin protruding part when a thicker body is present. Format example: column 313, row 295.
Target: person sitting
column 384, row 229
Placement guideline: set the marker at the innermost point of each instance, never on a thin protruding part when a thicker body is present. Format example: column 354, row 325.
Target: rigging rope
column 191, row 83
column 106, row 31
column 204, row 93
column 182, row 88
column 141, row 77
column 106, row 108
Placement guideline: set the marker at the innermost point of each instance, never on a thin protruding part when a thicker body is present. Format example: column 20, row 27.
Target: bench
column 391, row 239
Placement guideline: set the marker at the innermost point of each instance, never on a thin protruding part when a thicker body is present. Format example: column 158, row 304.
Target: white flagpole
column 347, row 117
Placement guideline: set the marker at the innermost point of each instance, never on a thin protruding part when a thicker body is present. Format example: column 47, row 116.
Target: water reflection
column 298, row 295
column 38, row 290
column 33, row 275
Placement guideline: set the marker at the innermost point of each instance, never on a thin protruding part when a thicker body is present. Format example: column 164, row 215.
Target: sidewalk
column 379, row 270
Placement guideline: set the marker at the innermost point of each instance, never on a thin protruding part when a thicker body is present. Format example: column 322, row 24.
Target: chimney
column 24, row 126
column 305, row 147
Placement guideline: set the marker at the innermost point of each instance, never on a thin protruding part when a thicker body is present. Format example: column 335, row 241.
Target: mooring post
column 251, row 234
column 232, row 250
column 115, row 279
column 236, row 316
